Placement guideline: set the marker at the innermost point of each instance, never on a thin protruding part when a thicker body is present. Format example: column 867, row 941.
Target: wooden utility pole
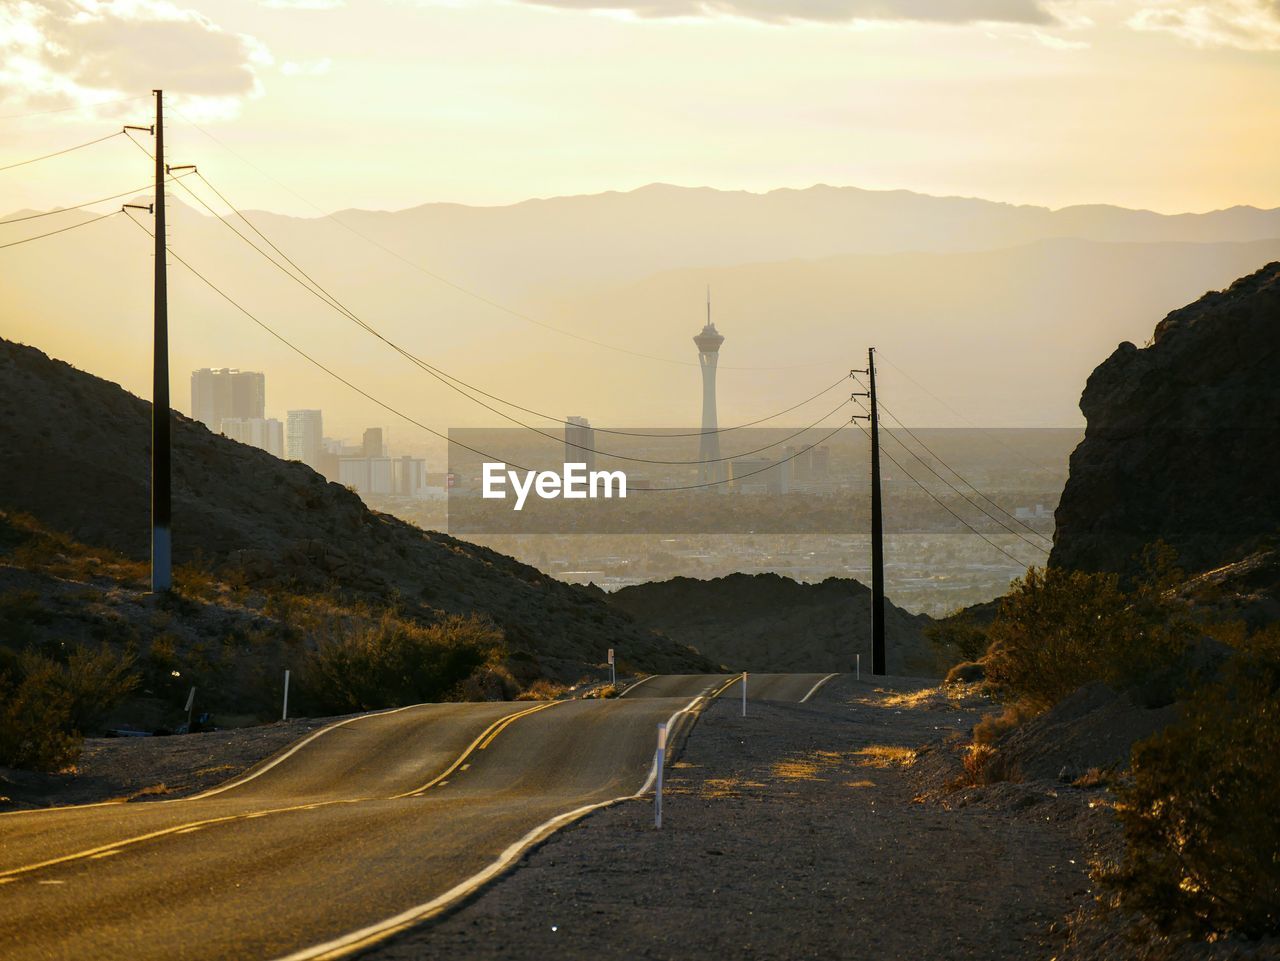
column 877, row 528
column 161, row 418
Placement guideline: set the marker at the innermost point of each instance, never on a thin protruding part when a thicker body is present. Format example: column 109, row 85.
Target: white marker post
column 284, row 711
column 660, row 763
column 191, row 703
column 613, row 670
column 859, row 667
column 744, row 693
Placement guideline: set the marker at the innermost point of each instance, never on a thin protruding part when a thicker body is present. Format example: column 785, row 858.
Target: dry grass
column 992, row 727
column 1092, row 778
column 978, row 760
column 864, row 783
column 796, row 769
column 887, row 756
column 727, row 787
column 151, row 790
column 541, row 690
column 926, row 698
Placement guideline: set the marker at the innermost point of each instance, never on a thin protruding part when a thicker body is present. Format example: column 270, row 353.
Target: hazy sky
column 1167, row 104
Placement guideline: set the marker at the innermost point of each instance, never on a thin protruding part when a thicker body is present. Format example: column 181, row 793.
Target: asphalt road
column 357, row 831
column 762, row 687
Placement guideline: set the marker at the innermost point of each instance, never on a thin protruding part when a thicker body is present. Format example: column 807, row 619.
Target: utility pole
column 161, row 418
column 877, row 528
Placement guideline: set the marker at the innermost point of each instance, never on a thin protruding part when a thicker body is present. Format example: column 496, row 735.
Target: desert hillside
column 765, row 622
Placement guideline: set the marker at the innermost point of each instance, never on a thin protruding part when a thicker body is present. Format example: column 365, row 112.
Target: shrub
column 541, row 690
column 46, row 705
column 95, row 682
column 35, row 723
column 1057, row 630
column 958, row 637
column 393, row 662
column 966, row 672
column 1202, row 841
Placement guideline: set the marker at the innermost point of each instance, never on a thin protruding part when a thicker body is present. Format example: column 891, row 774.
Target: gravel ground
column 793, row 833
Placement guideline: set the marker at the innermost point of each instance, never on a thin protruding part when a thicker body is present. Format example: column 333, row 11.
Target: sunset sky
column 1165, row 104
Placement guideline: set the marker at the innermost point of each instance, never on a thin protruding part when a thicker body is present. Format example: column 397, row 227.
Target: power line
column 302, row 353
column 954, row 489
column 317, row 290
column 467, row 291
column 759, row 470
column 940, row 503
column 1023, row 457
column 59, row 153
column 967, row 499
column 60, row 230
column 87, row 203
column 963, row 480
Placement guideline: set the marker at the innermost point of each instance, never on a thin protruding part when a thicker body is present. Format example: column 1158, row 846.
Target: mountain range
column 998, row 310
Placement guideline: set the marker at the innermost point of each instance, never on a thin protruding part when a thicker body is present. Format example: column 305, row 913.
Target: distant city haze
column 983, row 313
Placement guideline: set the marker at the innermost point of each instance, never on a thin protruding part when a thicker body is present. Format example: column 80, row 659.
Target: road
column 357, row 831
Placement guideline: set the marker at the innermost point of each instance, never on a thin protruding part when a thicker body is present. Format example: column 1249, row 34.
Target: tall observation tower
column 709, row 341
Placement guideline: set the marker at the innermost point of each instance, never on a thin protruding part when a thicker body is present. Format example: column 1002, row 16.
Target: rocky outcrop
column 75, row 455
column 770, row 623
column 1183, row 439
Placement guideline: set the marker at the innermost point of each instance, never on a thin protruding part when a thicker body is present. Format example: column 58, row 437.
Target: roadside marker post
column 859, row 656
column 613, row 669
column 191, row 704
column 284, row 711
column 660, row 762
column 744, row 693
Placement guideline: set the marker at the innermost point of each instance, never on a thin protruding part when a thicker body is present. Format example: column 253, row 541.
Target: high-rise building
column 264, row 433
column 712, row 469
column 404, row 476
column 411, row 476
column 303, row 436
column 579, row 442
column 371, row 445
column 226, row 393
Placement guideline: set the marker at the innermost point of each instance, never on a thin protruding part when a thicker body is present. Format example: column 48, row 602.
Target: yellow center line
column 105, row 850
column 486, row 737
column 727, row 684
column 162, row 832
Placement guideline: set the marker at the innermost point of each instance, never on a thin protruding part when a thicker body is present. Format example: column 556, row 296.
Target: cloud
column 304, row 4
column 310, row 68
column 827, row 11
column 74, row 51
column 1247, row 24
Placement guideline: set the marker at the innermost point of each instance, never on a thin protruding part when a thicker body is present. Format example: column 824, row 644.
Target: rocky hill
column 1183, row 439
column 765, row 622
column 75, row 456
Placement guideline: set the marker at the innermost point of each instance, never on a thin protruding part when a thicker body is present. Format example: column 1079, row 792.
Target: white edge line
column 631, row 687
column 814, row 690
column 242, row 779
column 246, row 778
column 355, row 939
